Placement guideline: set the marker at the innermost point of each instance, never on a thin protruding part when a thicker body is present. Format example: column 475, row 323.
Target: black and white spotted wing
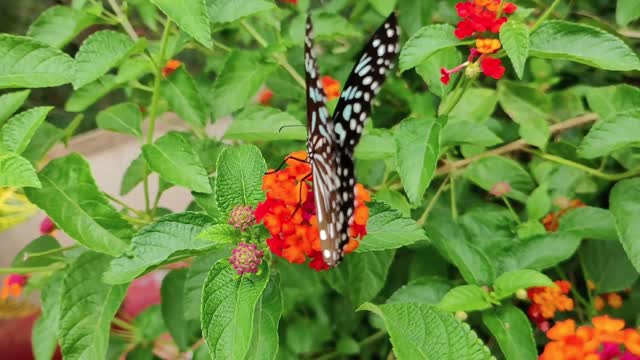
column 331, row 141
column 354, row 107
column 322, row 156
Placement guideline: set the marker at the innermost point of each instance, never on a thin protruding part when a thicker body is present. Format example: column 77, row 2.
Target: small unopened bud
column 473, row 70
column 461, row 315
column 500, row 189
column 47, row 226
column 246, row 258
column 242, row 217
column 521, row 294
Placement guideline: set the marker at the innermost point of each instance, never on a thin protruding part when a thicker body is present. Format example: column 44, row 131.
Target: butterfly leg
column 284, row 162
column 300, row 194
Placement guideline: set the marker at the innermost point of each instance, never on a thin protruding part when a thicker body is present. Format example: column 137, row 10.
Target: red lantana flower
column 171, row 66
column 546, row 300
column 264, row 96
column 295, row 236
column 331, row 87
column 479, row 16
column 492, row 67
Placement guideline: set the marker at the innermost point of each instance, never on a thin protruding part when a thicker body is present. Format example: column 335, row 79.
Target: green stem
column 135, row 220
column 573, row 290
column 29, row 255
column 544, row 16
column 513, row 212
column 452, row 189
column 457, row 93
column 125, row 325
column 124, row 21
column 29, row 270
column 591, row 308
column 123, row 204
column 423, row 218
column 280, row 58
column 591, row 171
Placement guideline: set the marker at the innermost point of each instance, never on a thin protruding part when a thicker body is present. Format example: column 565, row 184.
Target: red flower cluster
column 546, row 300
column 480, row 16
column 295, row 237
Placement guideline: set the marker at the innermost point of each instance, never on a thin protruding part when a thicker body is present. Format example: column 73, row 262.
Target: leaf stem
column 29, row 270
column 124, row 21
column 123, row 204
column 280, row 58
column 457, row 93
column 452, row 189
column 125, row 325
column 513, row 212
column 544, row 16
column 423, row 218
column 29, row 255
column 588, row 170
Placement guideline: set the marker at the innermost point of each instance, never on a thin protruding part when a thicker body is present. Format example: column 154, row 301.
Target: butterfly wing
column 321, row 150
column 354, row 107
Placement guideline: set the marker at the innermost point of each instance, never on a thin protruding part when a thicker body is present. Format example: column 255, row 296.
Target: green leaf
column 539, row 203
column 228, row 308
column 99, row 53
column 87, row 308
column 16, row 171
column 124, row 118
column 16, row 134
column 417, row 151
column 58, row 25
column 10, row 103
column 326, row 25
column 150, row 323
column 168, row 239
column 609, row 135
column 420, row 331
column 467, row 133
column 191, row 16
column 607, row 276
column 465, row 298
column 173, row 157
column 415, row 14
column 86, row 96
column 384, row 7
column 396, row 199
column 611, row 101
column 530, row 108
column 425, row 42
column 264, row 341
column 387, row 229
column 45, row 331
column 70, row 196
column 196, row 276
column 424, row 290
column 539, row 252
column 241, row 77
column 511, row 328
column 361, row 275
column 27, row 63
column 42, row 141
column 239, row 180
column 133, row 175
column 514, row 36
column 583, row 44
column 208, row 202
column 589, row 223
column 429, row 70
column 509, row 282
column 627, row 11
column 181, row 92
column 476, row 105
column 220, row 234
column 173, row 308
column 40, row 244
column 225, row 11
column 261, row 123
column 376, row 144
column 624, row 202
column 492, row 170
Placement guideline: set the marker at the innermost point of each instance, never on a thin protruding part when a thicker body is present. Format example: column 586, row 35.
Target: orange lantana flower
column 171, row 66
column 632, row 341
column 546, row 300
column 487, row 46
column 551, row 221
column 608, row 329
column 13, row 286
column 331, row 87
column 571, row 343
column 294, row 233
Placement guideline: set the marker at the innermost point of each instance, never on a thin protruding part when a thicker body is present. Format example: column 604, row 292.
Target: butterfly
column 332, row 140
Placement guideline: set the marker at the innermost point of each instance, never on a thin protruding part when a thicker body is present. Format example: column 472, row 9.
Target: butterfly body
column 332, row 140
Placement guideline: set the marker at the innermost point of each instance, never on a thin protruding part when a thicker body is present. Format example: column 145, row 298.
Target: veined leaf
column 27, row 63
column 509, row 282
column 87, row 308
column 607, row 276
column 384, row 7
column 627, row 11
column 172, row 157
column 225, row 11
column 99, row 53
column 512, row 329
column 420, row 331
column 376, row 144
column 264, row 342
column 465, row 298
column 228, row 308
column 514, row 36
column 469, row 133
column 261, row 123
column 196, row 276
column 16, row 134
column 607, row 136
column 16, row 171
column 42, row 141
column 86, row 96
column 239, row 179
column 58, row 25
column 191, row 16
column 124, row 118
column 429, row 69
column 417, row 152
column 10, row 103
column 491, row 170
column 476, row 105
column 611, row 101
column 173, row 306
column 72, row 199
column 423, row 290
column 169, row 238
column 45, row 331
column 583, row 44
column 624, row 202
column 389, row 229
column 589, row 223
column 180, row 91
column 425, row 42
column 530, row 108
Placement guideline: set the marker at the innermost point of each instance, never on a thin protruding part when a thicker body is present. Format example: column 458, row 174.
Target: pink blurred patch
column 143, row 292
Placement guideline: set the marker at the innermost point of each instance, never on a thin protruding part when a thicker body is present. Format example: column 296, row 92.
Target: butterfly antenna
column 300, row 195
column 284, row 162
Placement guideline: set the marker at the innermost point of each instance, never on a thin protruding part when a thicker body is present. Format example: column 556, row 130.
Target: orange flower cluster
column 171, row 66
column 551, row 221
column 614, row 300
column 600, row 341
column 13, row 286
column 295, row 237
column 331, row 87
column 546, row 300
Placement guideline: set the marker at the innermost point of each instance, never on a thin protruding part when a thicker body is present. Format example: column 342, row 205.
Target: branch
column 518, row 144
column 124, row 21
